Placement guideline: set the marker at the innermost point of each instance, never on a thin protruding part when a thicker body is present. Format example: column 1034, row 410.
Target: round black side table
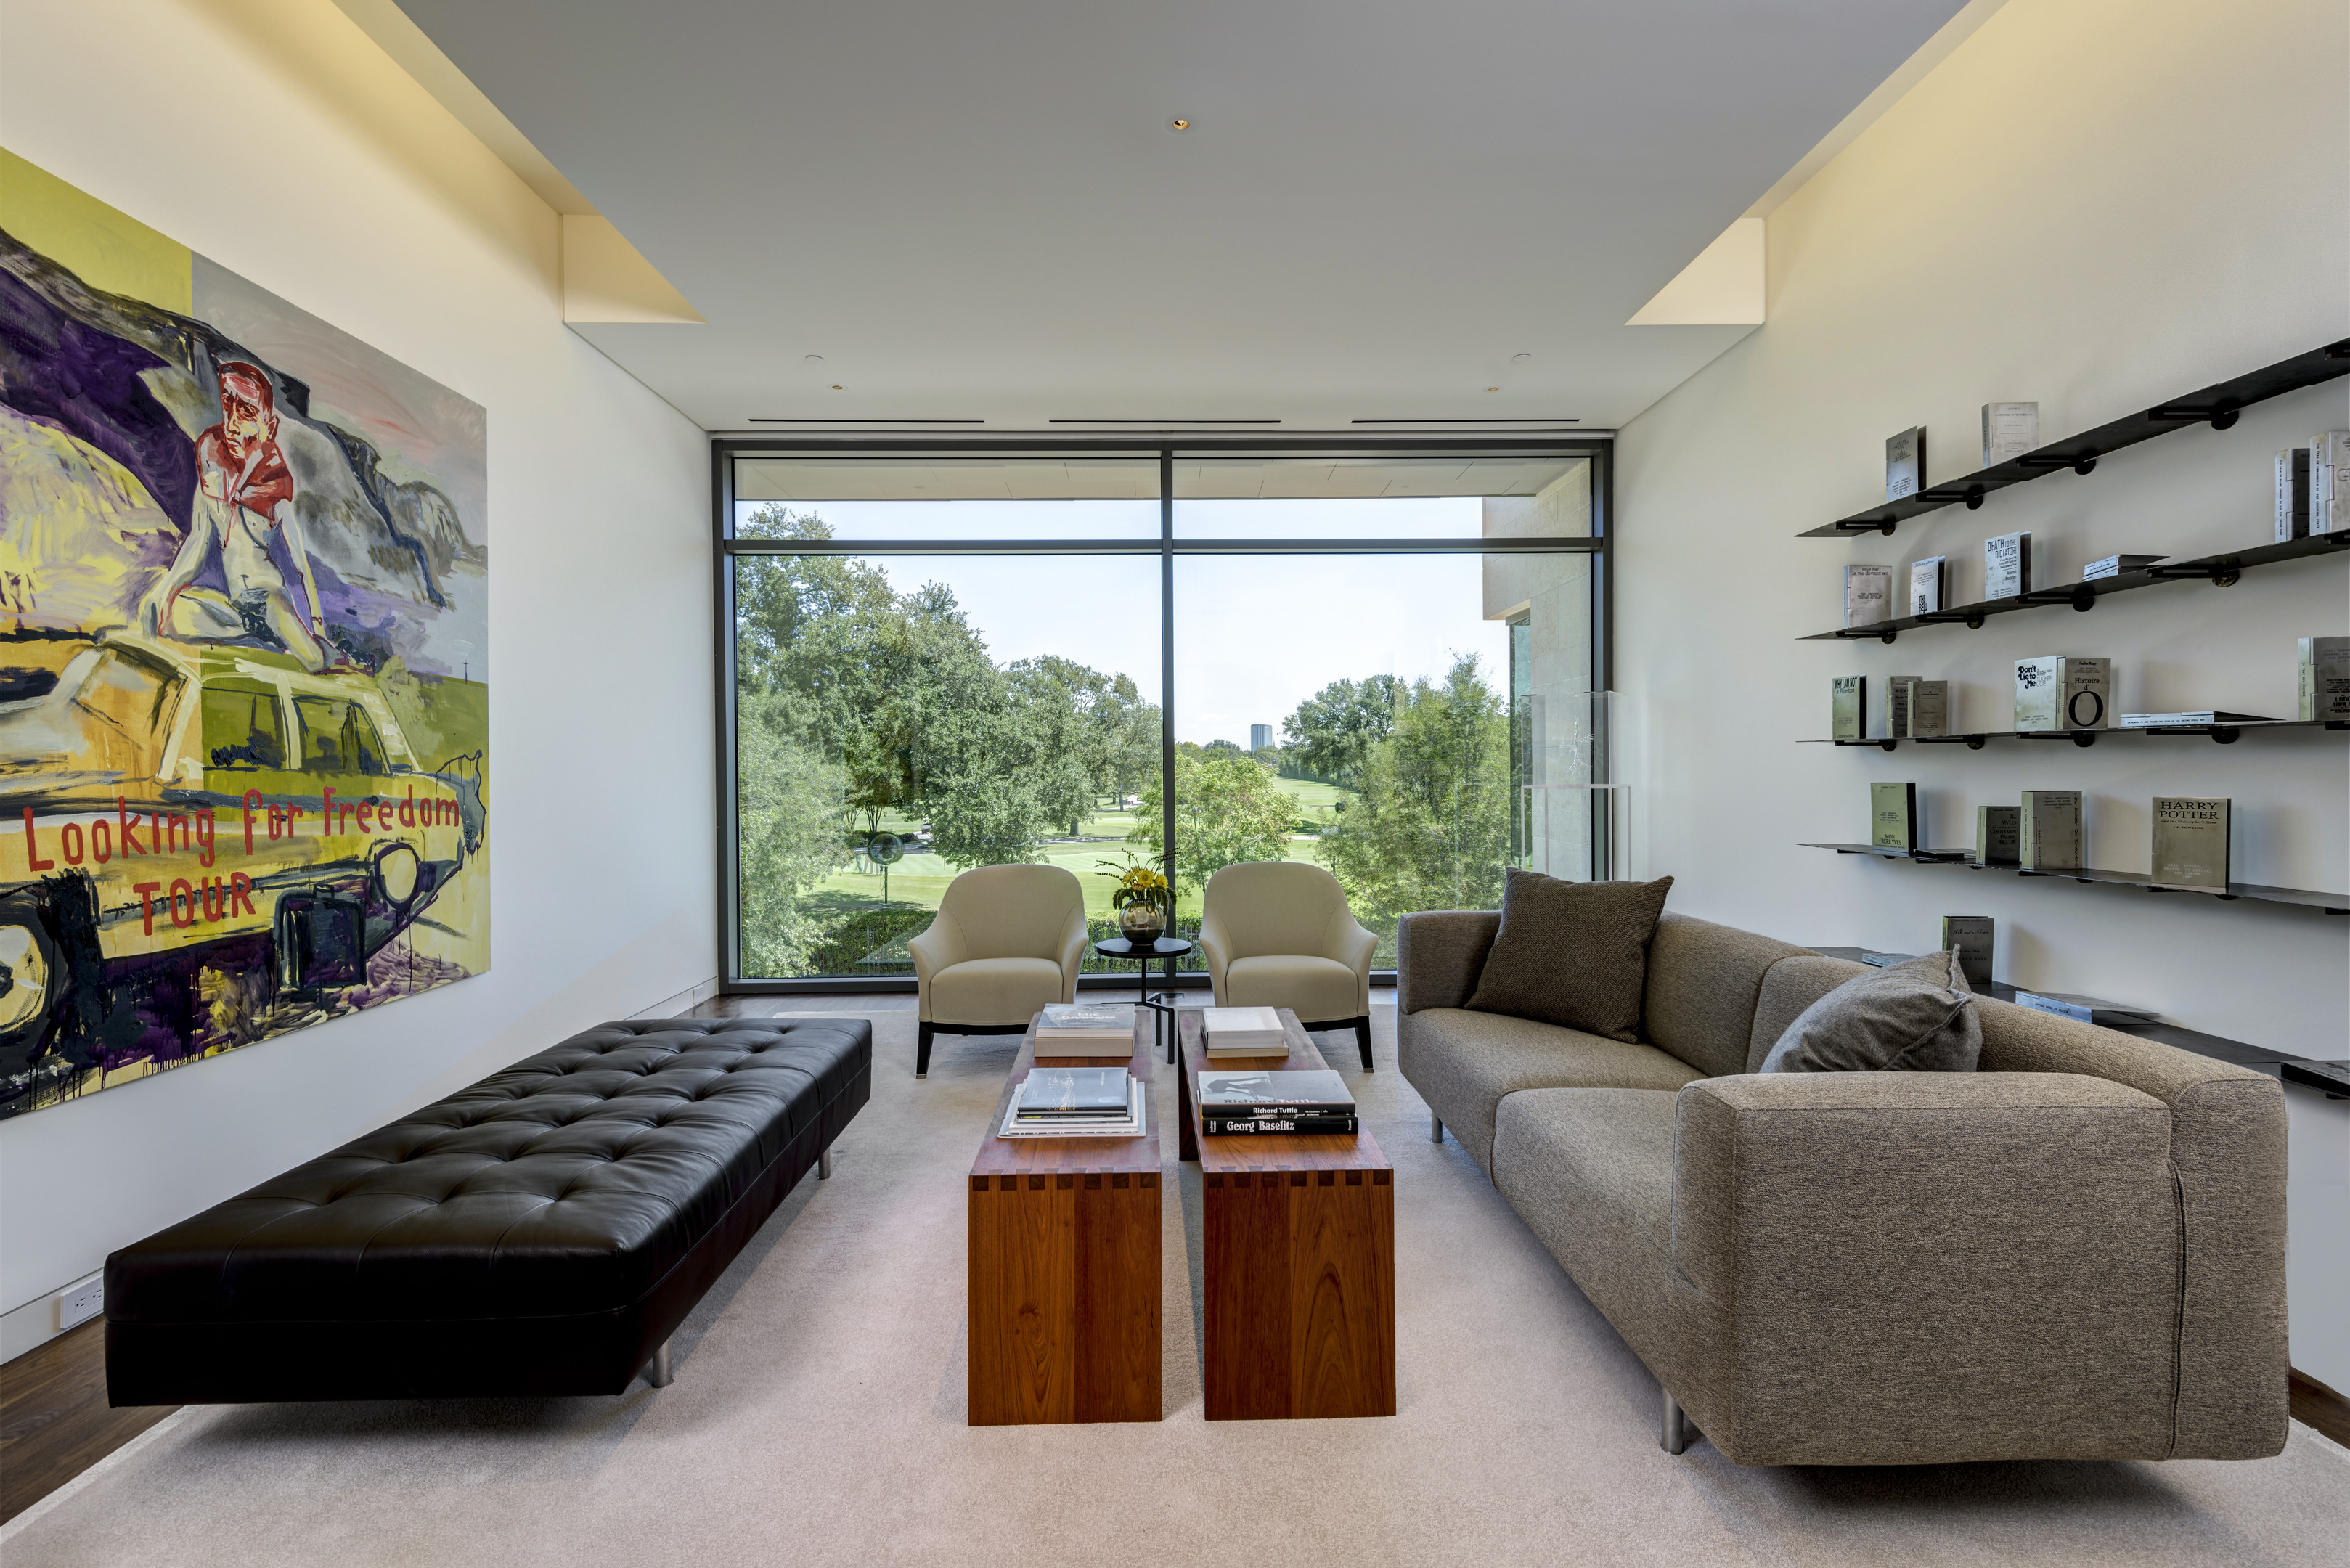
column 1162, row 1006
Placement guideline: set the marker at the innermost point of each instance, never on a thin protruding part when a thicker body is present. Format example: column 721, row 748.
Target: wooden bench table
column 1064, row 1265
column 1298, row 1255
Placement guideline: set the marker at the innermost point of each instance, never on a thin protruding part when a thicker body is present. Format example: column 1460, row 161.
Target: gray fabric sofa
column 2076, row 1252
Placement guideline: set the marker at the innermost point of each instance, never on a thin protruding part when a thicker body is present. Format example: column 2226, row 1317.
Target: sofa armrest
column 1439, row 954
column 1995, row 1256
column 1216, row 951
column 939, row 946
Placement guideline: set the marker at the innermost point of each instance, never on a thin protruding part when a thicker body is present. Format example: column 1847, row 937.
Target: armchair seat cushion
column 1463, row 1062
column 992, row 990
column 1318, row 990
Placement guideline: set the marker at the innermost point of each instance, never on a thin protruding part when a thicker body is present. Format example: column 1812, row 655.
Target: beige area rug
column 817, row 1417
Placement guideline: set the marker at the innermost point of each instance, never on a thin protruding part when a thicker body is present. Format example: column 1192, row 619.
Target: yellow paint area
column 105, row 248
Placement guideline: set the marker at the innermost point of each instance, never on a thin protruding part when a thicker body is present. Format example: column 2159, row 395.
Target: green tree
column 1430, row 829
column 1227, row 810
column 1331, row 734
column 789, row 808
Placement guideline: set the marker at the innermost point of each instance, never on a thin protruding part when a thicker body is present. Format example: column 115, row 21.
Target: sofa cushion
column 1591, row 1173
column 1790, row 986
column 1572, row 953
column 1703, row 982
column 1913, row 1017
column 1463, row 1062
column 995, row 991
column 1318, row 990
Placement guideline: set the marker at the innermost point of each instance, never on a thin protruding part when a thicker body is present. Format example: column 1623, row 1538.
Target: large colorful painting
column 243, row 671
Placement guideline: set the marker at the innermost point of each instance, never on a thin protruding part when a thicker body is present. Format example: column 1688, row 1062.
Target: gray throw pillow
column 1573, row 954
column 1913, row 1017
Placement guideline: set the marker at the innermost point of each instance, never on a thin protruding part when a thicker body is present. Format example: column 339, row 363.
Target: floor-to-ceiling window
column 938, row 661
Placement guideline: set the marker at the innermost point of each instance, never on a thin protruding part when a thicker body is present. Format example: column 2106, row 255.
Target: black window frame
column 1597, row 446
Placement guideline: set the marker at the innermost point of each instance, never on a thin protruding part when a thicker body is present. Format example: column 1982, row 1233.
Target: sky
column 1255, row 635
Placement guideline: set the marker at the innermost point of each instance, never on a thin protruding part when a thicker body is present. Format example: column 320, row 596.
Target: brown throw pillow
column 1913, row 1017
column 1573, row 954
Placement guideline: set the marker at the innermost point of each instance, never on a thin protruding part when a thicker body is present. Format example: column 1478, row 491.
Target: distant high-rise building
column 1260, row 737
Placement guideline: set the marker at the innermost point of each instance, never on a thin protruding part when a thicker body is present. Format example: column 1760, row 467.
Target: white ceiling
column 978, row 211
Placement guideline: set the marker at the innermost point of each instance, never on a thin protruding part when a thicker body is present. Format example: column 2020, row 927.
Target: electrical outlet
column 80, row 1302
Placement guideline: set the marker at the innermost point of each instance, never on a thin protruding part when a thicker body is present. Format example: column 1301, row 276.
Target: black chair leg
column 1363, row 1039
column 922, row 1049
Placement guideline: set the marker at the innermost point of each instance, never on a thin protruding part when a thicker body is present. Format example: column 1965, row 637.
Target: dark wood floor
column 54, row 1419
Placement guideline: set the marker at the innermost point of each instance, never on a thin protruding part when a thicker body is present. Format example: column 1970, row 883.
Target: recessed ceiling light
column 838, row 387
column 1179, row 125
column 813, row 359
column 1519, row 358
column 1492, row 388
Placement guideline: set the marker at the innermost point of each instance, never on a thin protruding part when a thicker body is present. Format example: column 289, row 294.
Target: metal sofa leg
column 1435, row 1128
column 657, row 1369
column 922, row 1034
column 1363, row 1039
column 1676, row 1432
column 824, row 1164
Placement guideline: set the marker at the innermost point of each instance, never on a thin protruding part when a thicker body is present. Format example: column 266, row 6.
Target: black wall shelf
column 2217, row 405
column 2332, row 903
column 2223, row 570
column 2225, row 734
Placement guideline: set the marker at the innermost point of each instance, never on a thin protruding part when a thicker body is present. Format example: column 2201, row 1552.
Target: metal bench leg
column 1676, row 1433
column 1435, row 1128
column 824, row 1164
column 657, row 1369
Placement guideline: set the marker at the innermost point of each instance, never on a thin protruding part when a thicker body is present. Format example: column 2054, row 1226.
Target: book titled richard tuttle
column 1848, row 713
column 1904, row 463
column 2007, row 565
column 1893, row 815
column 1867, row 595
column 2190, row 842
column 2048, row 836
column 1295, row 1102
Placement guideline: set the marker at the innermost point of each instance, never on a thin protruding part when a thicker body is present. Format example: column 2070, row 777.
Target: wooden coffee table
column 1064, row 1266
column 1298, row 1256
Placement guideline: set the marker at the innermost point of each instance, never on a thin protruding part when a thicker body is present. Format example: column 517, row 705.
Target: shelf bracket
column 2221, row 415
column 2080, row 462
column 1882, row 526
column 1973, row 495
column 2222, row 573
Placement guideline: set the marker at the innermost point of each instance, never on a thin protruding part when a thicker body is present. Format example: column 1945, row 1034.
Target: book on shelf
column 2291, row 494
column 1288, row 1092
column 2009, row 431
column 1928, row 708
column 1904, row 463
column 2326, row 677
column 2048, row 830
column 2329, row 483
column 1072, row 1091
column 2190, row 842
column 1896, row 705
column 1849, row 708
column 1867, row 595
column 1893, row 815
column 2085, row 1009
column 1243, row 1032
column 1969, row 937
column 1998, row 830
column 1927, row 579
column 2007, row 565
column 2190, row 718
column 2064, row 692
column 1085, row 1023
column 1133, row 1123
column 2115, row 566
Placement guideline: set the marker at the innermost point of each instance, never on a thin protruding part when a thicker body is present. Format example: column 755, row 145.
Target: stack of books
column 1084, row 1029
column 1244, row 1031
column 1076, row 1102
column 1236, row 1103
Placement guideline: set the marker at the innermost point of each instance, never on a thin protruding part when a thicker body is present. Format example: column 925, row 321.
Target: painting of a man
column 244, row 497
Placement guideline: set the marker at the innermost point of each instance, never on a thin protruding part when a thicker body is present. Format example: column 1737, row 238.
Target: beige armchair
column 1007, row 940
column 1277, row 933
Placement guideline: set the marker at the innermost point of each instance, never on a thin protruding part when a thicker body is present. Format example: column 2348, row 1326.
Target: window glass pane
column 900, row 718
column 949, row 497
column 1389, row 688
column 1381, row 498
column 242, row 728
column 337, row 737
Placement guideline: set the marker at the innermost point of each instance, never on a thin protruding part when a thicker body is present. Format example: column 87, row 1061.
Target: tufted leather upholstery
column 607, row 1180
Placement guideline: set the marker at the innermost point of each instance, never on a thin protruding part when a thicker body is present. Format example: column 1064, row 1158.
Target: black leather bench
column 543, row 1231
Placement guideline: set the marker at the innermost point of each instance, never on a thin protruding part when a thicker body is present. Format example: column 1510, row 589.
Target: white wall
column 2098, row 204
column 273, row 136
